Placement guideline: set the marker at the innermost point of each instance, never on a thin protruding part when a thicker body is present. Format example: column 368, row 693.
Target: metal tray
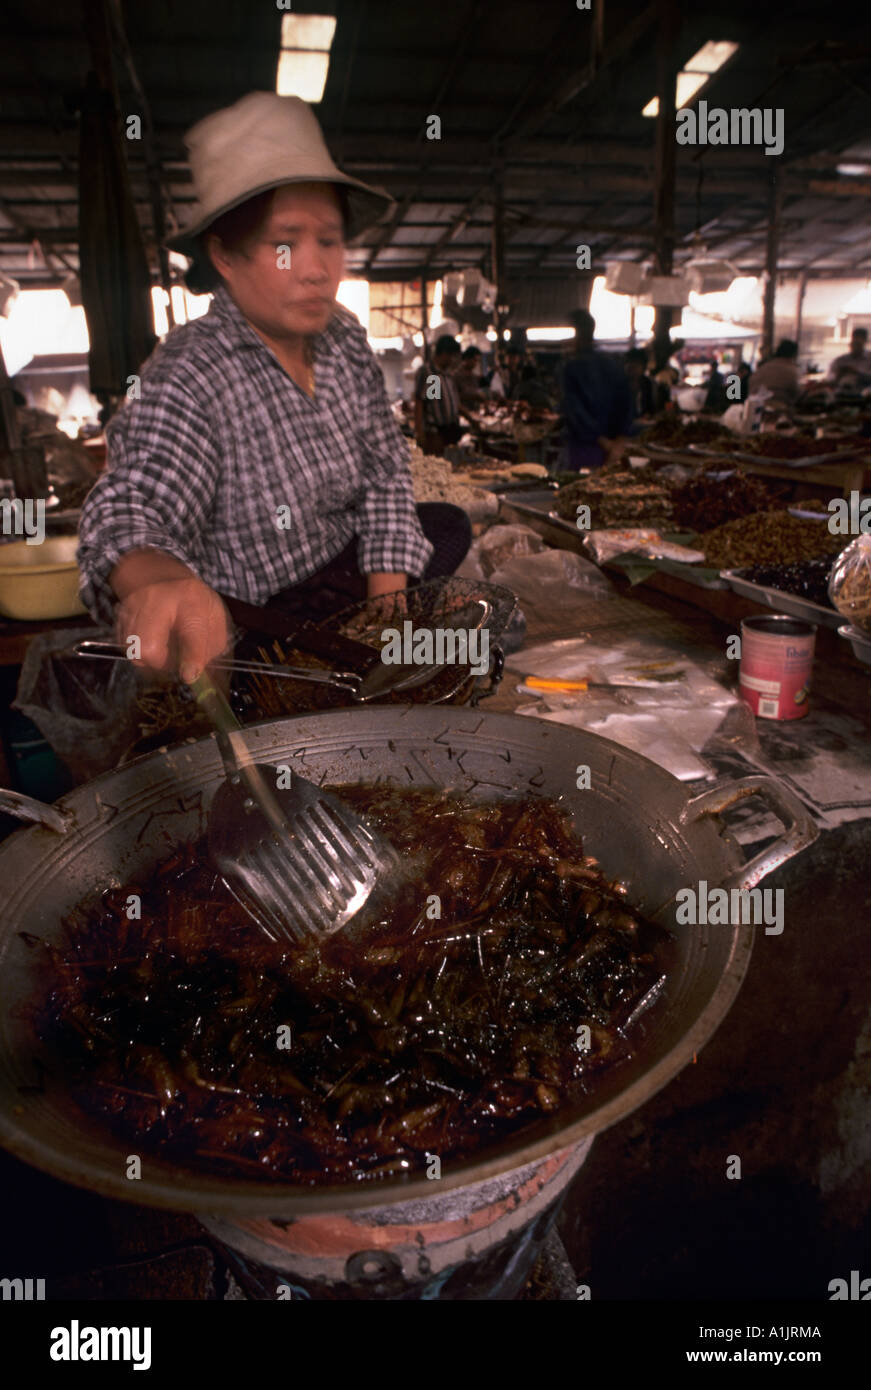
column 810, row 461
column 804, row 515
column 661, row 451
column 859, row 641
column 535, row 501
column 527, row 485
column 791, row 604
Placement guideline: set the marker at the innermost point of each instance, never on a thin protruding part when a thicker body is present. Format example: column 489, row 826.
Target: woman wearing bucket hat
column 259, row 462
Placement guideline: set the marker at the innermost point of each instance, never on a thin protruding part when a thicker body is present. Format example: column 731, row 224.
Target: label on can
column 776, row 659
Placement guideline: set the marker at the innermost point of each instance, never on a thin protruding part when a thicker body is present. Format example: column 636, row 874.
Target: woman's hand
column 383, row 583
column 180, row 622
column 385, row 607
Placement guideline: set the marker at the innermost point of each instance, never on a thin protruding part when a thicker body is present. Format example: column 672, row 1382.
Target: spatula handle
column 225, row 723
column 238, row 763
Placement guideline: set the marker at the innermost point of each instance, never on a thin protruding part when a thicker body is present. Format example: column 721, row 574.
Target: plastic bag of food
column 549, row 584
column 501, row 543
column 604, row 545
column 850, row 583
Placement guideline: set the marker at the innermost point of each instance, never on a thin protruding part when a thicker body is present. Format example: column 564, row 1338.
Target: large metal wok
column 635, row 818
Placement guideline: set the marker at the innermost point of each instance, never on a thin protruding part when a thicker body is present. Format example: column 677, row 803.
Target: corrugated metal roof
column 521, row 92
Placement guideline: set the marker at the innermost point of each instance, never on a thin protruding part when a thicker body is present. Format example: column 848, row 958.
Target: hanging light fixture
column 9, row 291
column 709, row 275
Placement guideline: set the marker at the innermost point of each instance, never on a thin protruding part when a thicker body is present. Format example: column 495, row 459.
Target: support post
column 424, row 315
column 775, row 199
column 799, row 305
column 498, row 253
column 152, row 162
column 665, row 162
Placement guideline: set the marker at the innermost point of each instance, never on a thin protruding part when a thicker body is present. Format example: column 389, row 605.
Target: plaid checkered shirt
column 225, row 463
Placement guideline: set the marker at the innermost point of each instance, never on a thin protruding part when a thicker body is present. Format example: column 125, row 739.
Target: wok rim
column 178, row 1188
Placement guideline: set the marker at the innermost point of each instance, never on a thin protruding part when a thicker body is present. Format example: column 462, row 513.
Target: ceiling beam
column 555, row 44
column 353, row 49
column 474, row 14
column 572, row 86
column 456, row 225
column 858, row 188
column 401, row 149
column 385, row 233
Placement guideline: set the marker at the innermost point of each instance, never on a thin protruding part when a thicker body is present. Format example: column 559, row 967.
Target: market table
column 848, row 475
column 776, row 1085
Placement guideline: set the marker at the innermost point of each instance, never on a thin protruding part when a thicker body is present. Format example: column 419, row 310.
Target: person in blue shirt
column 596, row 401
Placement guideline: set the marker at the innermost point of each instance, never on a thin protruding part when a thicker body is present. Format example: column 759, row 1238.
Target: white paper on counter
column 669, row 723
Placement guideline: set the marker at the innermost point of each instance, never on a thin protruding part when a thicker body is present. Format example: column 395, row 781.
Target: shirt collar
column 231, row 319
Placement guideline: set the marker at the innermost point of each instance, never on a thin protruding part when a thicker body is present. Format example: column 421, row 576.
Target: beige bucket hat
column 260, row 142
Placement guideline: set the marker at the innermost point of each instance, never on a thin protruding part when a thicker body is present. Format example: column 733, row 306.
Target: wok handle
column 29, row 809
column 799, row 828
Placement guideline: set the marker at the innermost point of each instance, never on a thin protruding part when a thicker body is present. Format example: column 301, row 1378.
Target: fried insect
column 444, row 1019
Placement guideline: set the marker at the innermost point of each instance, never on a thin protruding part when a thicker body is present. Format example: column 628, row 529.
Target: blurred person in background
column 779, row 374
column 512, row 367
column 596, row 401
column 531, row 388
column 852, row 370
column 715, row 389
column 437, row 399
column 644, row 390
column 495, row 382
column 744, row 372
column 468, row 379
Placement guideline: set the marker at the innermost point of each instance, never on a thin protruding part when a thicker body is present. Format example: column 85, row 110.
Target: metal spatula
column 298, row 860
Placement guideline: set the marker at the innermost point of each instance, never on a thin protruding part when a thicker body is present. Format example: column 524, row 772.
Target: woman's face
column 285, row 280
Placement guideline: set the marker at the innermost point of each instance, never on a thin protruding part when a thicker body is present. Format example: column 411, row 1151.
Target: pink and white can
column 777, row 654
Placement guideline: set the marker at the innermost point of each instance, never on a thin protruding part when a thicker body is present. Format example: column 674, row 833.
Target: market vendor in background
column 261, row 461
column 468, row 379
column 852, row 370
column 644, row 390
column 437, row 403
column 531, row 389
column 716, row 399
column 596, row 401
column 506, row 376
column 744, row 373
column 779, row 374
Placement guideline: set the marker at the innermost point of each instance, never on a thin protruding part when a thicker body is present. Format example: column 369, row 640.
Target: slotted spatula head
column 306, row 877
column 299, row 861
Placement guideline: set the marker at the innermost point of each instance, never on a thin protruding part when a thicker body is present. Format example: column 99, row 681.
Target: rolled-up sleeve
column 157, row 491
column 390, row 539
